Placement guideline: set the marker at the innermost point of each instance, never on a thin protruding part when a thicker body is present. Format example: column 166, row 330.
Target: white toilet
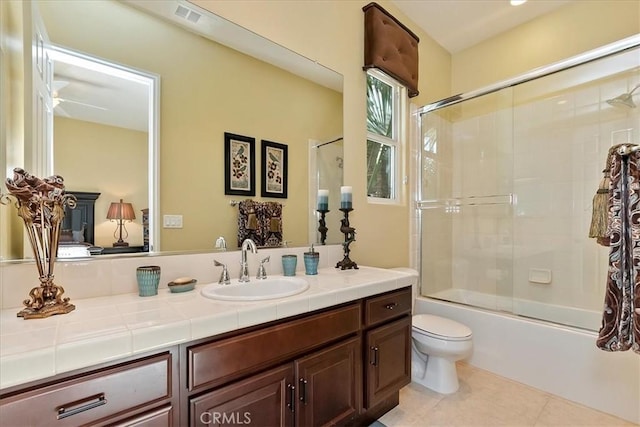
column 437, row 344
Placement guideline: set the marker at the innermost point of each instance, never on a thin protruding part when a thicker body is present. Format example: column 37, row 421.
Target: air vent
column 194, row 17
column 182, row 11
column 188, row 14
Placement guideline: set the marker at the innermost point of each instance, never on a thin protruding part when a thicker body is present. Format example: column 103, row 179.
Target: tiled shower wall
column 546, row 146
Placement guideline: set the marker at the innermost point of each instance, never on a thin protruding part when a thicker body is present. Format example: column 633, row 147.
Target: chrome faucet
column 244, row 266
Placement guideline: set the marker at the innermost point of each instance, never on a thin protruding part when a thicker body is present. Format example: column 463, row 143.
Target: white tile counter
column 107, row 328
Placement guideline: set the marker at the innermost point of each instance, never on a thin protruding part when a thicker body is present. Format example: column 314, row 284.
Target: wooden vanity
column 342, row 365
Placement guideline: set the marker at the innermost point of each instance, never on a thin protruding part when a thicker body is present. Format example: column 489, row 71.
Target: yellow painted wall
column 12, row 121
column 206, row 90
column 105, row 159
column 570, row 30
column 332, row 33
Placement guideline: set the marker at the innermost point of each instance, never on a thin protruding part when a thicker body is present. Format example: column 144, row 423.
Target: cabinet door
column 329, row 384
column 261, row 400
column 161, row 417
column 389, row 360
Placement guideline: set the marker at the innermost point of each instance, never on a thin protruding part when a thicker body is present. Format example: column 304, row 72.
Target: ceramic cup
column 311, row 263
column 148, row 277
column 289, row 263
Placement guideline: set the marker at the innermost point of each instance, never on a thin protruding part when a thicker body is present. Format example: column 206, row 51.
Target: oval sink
column 256, row 290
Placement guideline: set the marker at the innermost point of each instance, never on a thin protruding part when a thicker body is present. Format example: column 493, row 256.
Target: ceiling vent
column 188, row 14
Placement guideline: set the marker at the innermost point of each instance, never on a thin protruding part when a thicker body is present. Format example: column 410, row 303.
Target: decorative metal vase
column 40, row 203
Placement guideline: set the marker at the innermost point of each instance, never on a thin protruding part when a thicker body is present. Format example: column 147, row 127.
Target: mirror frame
column 152, row 82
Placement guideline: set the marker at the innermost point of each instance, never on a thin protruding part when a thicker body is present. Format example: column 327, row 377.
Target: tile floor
column 485, row 399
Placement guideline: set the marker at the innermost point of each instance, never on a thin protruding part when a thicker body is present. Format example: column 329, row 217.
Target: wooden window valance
column 390, row 47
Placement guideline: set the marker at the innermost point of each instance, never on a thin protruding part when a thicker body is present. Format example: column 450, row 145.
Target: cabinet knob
column 391, row 306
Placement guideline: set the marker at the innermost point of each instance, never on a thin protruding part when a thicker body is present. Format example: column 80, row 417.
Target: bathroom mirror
column 206, row 89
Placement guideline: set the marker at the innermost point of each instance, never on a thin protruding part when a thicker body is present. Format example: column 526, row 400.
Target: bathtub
column 557, row 359
column 565, row 315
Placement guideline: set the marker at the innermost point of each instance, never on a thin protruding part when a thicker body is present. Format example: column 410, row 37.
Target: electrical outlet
column 172, row 221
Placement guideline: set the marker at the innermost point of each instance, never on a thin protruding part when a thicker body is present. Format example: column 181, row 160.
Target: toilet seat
column 440, row 328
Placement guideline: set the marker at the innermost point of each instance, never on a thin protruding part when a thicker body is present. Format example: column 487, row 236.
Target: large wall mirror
column 206, row 89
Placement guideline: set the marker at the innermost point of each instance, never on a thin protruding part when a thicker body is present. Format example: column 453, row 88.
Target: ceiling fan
column 58, row 85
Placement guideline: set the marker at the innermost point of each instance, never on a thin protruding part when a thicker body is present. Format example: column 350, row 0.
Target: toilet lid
column 440, row 326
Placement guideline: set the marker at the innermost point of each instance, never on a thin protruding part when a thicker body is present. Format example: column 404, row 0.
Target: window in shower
column 384, row 115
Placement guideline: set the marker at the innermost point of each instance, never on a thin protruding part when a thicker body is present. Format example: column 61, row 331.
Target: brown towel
column 248, row 223
column 620, row 328
column 272, row 223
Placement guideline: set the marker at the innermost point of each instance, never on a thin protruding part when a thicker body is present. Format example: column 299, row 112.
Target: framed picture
column 239, row 165
column 274, row 169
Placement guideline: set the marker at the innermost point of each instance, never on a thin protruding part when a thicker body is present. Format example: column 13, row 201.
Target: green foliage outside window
column 380, row 121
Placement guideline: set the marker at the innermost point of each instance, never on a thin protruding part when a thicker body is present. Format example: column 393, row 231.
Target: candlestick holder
column 349, row 237
column 322, row 229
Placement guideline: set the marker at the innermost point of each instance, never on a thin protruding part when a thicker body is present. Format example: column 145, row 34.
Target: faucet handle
column 221, row 243
column 225, row 279
column 262, row 272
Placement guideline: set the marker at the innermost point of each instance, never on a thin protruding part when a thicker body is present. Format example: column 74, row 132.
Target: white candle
column 346, row 197
column 323, row 200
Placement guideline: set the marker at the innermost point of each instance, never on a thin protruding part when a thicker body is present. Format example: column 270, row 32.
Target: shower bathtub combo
column 508, row 174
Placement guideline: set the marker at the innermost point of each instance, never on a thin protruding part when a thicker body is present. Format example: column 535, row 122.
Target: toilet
column 437, row 344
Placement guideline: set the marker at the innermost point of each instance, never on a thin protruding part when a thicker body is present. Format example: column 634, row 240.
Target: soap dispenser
column 311, row 259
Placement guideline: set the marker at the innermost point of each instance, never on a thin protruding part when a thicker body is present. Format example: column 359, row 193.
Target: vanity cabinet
column 320, row 389
column 136, row 393
column 317, row 381
column 387, row 345
column 263, row 399
column 342, row 365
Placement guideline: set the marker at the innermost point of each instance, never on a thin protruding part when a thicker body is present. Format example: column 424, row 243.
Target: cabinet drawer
column 162, row 417
column 387, row 306
column 218, row 362
column 91, row 397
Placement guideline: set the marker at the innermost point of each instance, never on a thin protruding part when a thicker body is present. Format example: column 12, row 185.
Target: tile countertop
column 109, row 328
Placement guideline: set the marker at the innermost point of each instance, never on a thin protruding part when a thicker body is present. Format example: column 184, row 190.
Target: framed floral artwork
column 274, row 169
column 239, row 165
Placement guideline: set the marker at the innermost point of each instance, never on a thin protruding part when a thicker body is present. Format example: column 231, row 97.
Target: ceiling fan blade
column 59, row 85
column 60, row 111
column 80, row 103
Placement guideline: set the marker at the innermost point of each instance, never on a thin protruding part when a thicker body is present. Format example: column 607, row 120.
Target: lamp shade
column 120, row 210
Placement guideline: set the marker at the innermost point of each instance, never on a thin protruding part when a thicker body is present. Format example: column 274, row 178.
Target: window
column 384, row 115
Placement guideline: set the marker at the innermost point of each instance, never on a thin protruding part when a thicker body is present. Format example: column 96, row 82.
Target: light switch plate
column 172, row 221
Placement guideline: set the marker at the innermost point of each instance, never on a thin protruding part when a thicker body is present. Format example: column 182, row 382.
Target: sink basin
column 256, row 290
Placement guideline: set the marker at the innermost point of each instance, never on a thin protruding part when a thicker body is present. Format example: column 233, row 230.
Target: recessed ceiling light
column 517, row 2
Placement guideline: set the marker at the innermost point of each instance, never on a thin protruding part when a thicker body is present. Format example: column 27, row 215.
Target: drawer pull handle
column 303, row 390
column 74, row 408
column 292, row 397
column 391, row 306
column 374, row 359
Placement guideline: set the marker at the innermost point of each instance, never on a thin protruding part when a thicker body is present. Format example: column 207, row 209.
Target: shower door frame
column 614, row 48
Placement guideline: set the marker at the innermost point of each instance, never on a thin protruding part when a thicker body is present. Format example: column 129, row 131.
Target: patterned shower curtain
column 620, row 328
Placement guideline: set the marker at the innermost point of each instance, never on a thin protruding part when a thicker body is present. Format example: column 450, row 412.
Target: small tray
column 182, row 286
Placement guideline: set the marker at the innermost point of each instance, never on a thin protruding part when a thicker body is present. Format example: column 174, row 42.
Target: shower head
column 624, row 100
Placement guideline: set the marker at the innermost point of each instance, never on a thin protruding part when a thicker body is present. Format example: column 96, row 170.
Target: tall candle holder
column 322, row 229
column 40, row 203
column 349, row 237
